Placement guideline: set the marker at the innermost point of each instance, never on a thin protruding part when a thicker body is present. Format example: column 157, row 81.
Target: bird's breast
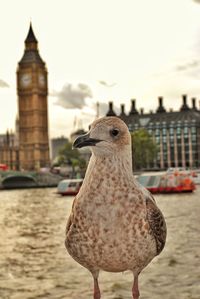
column 109, row 233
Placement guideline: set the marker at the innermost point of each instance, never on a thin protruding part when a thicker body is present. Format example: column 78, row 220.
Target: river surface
column 34, row 263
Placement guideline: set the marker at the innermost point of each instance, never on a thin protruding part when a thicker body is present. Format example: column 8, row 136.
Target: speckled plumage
column 114, row 224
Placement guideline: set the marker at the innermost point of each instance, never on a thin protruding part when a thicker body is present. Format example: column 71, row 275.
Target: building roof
column 110, row 110
column 160, row 108
column 31, row 53
column 133, row 108
column 161, row 117
column 31, row 56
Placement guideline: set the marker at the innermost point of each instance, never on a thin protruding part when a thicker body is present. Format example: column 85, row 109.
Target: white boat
column 69, row 186
column 169, row 182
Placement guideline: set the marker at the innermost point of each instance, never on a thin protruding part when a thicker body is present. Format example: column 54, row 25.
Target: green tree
column 69, row 156
column 144, row 149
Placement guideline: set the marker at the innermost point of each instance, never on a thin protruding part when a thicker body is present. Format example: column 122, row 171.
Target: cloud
column 3, row 83
column 75, row 97
column 104, row 83
column 188, row 66
column 72, row 96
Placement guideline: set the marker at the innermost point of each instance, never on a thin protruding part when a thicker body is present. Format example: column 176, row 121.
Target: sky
column 101, row 51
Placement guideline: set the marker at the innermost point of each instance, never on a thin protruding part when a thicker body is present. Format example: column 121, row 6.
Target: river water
column 34, row 263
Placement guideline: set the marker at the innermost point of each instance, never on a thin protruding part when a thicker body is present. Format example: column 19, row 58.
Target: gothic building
column 9, row 150
column 176, row 133
column 32, row 148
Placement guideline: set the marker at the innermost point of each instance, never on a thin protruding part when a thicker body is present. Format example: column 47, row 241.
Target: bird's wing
column 157, row 224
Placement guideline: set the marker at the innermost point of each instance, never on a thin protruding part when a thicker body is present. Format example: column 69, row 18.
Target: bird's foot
column 135, row 294
column 97, row 294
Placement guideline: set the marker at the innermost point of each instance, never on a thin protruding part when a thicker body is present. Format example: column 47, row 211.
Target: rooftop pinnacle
column 30, row 36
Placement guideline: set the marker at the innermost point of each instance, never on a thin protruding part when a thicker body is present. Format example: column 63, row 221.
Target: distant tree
column 144, row 149
column 69, row 156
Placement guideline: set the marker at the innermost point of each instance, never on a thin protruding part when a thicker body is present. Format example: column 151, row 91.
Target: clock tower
column 32, row 90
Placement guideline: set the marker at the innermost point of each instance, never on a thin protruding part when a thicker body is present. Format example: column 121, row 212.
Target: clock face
column 41, row 79
column 25, row 80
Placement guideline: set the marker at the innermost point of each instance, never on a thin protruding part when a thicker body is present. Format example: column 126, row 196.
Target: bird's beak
column 85, row 140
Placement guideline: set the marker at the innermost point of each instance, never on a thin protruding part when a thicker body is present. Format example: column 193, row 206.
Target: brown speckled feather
column 114, row 224
column 157, row 224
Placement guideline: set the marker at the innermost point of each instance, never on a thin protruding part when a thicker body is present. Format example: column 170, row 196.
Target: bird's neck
column 109, row 167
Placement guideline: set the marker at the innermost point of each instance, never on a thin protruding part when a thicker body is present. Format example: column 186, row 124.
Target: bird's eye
column 114, row 132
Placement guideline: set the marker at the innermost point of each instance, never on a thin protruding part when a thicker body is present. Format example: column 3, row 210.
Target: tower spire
column 31, row 53
column 30, row 36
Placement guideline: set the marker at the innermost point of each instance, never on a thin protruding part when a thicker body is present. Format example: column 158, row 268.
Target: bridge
column 19, row 179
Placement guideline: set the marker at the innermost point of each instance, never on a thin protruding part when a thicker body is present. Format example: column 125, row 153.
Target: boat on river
column 175, row 182
column 69, row 186
column 166, row 182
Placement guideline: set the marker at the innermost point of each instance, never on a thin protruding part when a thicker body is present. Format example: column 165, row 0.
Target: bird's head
column 107, row 136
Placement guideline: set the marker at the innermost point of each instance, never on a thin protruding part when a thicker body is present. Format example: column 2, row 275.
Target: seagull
column 115, row 224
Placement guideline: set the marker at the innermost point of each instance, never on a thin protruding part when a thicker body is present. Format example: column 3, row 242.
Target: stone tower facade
column 32, row 90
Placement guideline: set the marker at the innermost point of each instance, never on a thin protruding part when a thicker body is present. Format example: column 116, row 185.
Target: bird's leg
column 135, row 289
column 97, row 293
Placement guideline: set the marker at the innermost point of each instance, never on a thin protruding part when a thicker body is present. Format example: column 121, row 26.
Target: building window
column 193, row 138
column 158, row 139
column 130, row 127
column 187, row 148
column 193, row 130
